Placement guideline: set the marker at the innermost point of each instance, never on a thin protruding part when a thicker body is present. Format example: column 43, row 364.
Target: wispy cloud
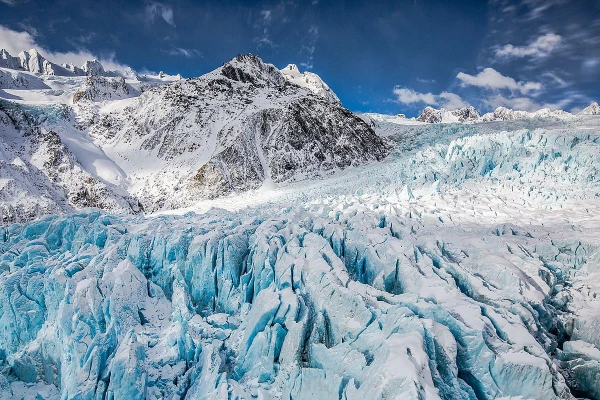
column 308, row 48
column 263, row 25
column 525, row 103
column 187, row 53
column 540, row 47
column 154, row 9
column 489, row 78
column 448, row 100
column 13, row 3
column 422, row 80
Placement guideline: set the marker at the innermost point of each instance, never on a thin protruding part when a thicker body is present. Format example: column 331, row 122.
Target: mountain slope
column 40, row 175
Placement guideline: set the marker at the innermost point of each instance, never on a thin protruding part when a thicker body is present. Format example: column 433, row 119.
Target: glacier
column 463, row 266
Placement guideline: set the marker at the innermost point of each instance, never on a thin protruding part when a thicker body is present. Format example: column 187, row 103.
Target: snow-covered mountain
column 431, row 115
column 100, row 88
column 506, row 114
column 233, row 129
column 471, row 115
column 592, row 109
column 40, row 175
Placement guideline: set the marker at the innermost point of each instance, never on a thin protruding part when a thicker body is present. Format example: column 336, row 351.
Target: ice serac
column 310, row 81
column 233, row 129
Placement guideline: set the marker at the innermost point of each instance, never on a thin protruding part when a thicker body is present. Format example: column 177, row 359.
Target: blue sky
column 386, row 56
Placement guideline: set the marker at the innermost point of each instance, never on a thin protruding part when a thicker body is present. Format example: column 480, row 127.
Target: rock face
column 431, row 115
column 229, row 131
column 310, row 81
column 100, row 88
column 466, row 114
column 592, row 109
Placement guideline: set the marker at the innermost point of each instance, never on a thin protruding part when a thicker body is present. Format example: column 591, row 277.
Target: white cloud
column 451, row 101
column 489, row 78
column 422, row 80
column 154, row 9
column 14, row 42
column 525, row 103
column 409, row 96
column 541, row 47
column 448, row 100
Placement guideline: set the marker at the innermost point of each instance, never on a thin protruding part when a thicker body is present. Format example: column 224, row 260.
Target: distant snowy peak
column 506, row 114
column 432, row 115
column 90, row 67
column 471, row 115
column 8, row 61
column 33, row 61
column 310, row 81
column 592, row 109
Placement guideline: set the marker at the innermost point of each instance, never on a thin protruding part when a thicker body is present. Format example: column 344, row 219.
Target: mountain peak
column 291, row 68
column 250, row 68
column 592, row 109
column 310, row 81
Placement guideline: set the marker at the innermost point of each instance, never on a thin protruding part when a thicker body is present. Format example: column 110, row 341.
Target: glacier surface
column 464, row 266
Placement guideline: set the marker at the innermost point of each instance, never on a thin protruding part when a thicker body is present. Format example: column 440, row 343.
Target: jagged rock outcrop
column 466, row 114
column 100, row 88
column 93, row 67
column 33, row 61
